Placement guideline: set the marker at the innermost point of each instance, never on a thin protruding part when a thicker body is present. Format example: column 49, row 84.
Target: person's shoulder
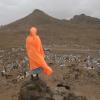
column 38, row 38
column 28, row 38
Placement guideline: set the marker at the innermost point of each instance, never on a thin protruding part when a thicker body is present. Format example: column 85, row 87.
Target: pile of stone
column 38, row 90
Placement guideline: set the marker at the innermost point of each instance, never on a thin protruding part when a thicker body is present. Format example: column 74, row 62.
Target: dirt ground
column 74, row 73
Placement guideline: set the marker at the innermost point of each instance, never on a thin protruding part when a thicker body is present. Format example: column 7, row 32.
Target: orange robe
column 35, row 52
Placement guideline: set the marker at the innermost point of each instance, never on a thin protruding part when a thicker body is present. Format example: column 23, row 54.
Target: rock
column 35, row 90
column 72, row 96
column 65, row 86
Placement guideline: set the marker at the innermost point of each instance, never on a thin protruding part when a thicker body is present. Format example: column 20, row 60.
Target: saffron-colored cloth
column 35, row 52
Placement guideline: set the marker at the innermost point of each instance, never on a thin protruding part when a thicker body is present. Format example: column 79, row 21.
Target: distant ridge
column 35, row 18
column 82, row 18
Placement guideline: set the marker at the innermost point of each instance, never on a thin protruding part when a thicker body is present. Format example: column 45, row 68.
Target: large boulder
column 38, row 90
column 35, row 90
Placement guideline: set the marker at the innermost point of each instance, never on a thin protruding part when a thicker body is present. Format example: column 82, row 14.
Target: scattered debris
column 73, row 68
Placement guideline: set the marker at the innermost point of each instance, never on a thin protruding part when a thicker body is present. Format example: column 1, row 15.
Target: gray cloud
column 11, row 10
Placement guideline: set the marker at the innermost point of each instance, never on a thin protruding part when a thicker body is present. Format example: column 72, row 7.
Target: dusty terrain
column 77, row 73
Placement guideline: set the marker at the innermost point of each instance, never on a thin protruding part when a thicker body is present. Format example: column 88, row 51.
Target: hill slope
column 80, row 31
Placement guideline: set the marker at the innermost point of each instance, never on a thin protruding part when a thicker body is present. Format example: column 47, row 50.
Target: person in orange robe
column 36, row 54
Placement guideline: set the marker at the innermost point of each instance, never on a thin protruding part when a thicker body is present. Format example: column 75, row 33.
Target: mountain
column 80, row 31
column 37, row 17
column 85, row 19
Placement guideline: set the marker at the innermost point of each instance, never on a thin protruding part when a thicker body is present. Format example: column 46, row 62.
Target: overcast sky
column 11, row 10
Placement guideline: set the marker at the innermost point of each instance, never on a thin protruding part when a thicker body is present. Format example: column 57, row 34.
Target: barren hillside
column 81, row 31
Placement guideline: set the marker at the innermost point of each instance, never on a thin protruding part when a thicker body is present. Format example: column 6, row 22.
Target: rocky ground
column 76, row 76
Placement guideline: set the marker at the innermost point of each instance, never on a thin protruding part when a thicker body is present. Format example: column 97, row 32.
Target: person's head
column 33, row 31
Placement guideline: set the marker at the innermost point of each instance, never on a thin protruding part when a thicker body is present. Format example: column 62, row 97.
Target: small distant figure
column 36, row 55
column 23, row 66
column 15, row 65
column 4, row 72
column 88, row 62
